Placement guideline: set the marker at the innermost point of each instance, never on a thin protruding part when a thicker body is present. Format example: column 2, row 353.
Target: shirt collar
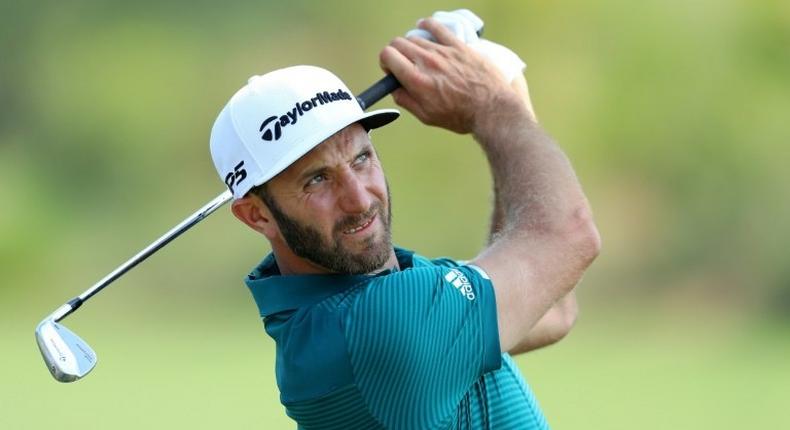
column 274, row 293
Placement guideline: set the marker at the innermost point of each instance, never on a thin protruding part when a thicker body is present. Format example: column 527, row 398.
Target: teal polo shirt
column 415, row 348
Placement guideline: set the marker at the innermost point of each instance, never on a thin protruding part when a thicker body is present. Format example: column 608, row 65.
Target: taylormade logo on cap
column 250, row 144
column 277, row 123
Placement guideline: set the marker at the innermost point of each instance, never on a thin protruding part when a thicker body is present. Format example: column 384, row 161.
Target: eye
column 315, row 180
column 361, row 158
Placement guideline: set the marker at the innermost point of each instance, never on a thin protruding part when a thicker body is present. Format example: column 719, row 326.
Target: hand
column 464, row 24
column 446, row 83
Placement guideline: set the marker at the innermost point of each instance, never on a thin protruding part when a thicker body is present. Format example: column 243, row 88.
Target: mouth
column 362, row 227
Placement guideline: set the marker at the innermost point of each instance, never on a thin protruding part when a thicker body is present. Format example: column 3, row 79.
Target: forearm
column 497, row 218
column 536, row 190
column 519, row 84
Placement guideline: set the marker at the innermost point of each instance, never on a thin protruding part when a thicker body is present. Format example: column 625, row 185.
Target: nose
column 353, row 196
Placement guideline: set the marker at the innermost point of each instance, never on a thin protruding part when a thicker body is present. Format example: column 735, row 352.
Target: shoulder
column 423, row 284
column 422, row 261
column 409, row 313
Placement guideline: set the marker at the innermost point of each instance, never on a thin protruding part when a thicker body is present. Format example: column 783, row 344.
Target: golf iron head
column 67, row 356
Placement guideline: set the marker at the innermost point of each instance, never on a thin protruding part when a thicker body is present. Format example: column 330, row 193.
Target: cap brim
column 378, row 118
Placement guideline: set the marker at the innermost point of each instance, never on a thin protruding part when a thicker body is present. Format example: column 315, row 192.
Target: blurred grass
column 680, row 372
column 213, row 368
column 674, row 114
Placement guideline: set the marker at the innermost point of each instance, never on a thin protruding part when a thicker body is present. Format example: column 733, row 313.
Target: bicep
column 529, row 276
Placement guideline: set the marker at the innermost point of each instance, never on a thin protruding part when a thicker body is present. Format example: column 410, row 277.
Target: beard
column 307, row 242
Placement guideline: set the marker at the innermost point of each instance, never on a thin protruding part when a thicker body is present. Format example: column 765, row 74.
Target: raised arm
column 558, row 321
column 547, row 237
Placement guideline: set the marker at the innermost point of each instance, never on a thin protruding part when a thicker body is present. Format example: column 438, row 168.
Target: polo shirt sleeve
column 418, row 340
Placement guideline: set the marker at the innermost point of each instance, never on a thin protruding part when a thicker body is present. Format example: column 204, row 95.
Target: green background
column 675, row 114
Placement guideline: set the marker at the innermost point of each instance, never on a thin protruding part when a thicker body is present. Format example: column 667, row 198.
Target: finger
column 442, row 34
column 411, row 50
column 425, row 44
column 419, row 33
column 393, row 61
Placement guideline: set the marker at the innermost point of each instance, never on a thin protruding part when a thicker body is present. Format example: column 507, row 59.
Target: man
column 372, row 336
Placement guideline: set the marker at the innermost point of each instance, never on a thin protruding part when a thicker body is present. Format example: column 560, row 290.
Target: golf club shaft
column 176, row 231
column 367, row 98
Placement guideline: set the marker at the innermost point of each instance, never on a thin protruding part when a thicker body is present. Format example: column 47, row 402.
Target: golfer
column 370, row 335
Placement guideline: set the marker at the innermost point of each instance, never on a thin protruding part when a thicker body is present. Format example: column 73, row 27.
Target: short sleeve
column 419, row 339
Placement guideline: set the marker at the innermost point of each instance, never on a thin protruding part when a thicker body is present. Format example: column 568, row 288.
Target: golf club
column 66, row 355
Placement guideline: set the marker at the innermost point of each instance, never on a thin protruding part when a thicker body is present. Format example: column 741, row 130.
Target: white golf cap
column 277, row 118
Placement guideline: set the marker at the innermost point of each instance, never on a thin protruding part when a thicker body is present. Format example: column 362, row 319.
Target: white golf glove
column 464, row 25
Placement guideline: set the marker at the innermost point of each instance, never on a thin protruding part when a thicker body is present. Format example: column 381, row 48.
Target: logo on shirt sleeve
column 458, row 280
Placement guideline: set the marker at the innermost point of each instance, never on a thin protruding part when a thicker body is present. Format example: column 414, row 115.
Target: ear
column 252, row 211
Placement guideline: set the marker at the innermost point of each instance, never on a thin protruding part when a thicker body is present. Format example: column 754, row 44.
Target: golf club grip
column 384, row 86
column 377, row 91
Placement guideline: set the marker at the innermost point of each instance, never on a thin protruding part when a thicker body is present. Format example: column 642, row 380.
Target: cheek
column 319, row 212
column 379, row 187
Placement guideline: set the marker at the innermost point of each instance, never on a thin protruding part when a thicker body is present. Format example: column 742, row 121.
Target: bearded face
column 332, row 207
column 357, row 244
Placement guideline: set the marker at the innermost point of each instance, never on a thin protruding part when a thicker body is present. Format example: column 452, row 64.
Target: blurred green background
column 676, row 115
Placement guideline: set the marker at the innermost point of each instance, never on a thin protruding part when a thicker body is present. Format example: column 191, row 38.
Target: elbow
column 570, row 316
column 569, row 312
column 559, row 334
column 559, row 324
column 583, row 236
column 592, row 243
